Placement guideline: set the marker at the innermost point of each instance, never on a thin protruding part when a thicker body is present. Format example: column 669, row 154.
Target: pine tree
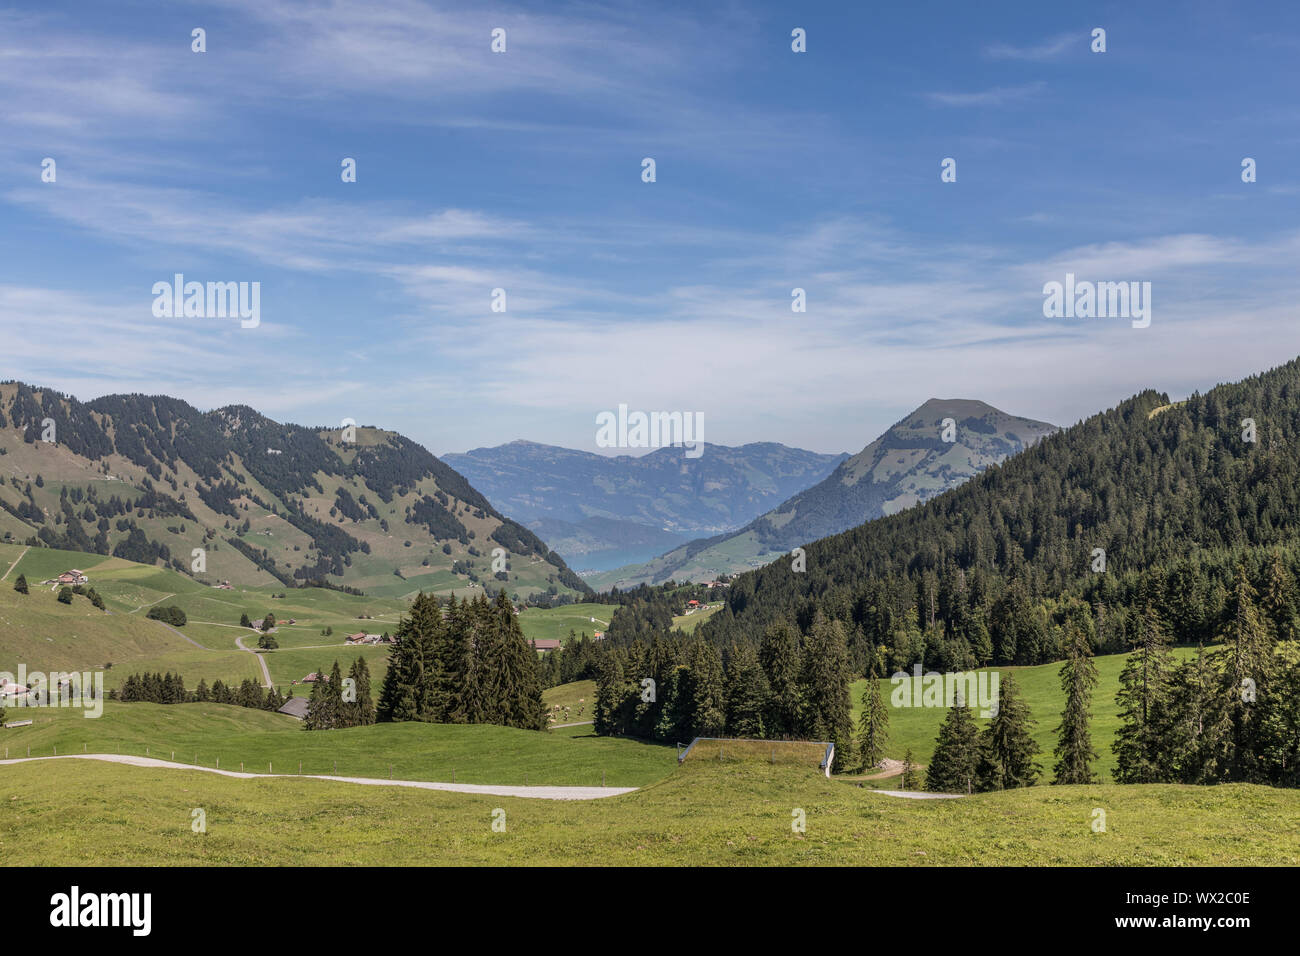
column 907, row 780
column 747, row 693
column 201, row 693
column 1279, row 600
column 1247, row 664
column 520, row 675
column 708, row 692
column 956, row 754
column 412, row 664
column 1074, row 751
column 1198, row 723
column 453, row 653
column 825, row 688
column 1141, row 745
column 1007, row 747
column 781, row 656
column 363, row 713
column 21, row 584
column 244, row 621
column 873, row 725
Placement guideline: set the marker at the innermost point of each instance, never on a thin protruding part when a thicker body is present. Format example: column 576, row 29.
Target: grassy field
column 691, row 620
column 710, row 814
column 212, row 733
column 45, row 635
column 555, row 623
column 917, row 727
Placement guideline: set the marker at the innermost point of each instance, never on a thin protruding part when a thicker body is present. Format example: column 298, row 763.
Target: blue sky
column 522, row 171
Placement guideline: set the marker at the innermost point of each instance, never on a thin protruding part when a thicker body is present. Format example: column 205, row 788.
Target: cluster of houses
column 361, row 637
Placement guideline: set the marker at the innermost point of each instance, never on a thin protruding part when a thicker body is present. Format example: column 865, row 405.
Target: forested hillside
column 1145, row 525
column 152, row 479
column 1146, row 503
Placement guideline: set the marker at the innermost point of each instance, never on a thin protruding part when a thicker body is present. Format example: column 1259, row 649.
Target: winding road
column 533, row 793
column 266, row 674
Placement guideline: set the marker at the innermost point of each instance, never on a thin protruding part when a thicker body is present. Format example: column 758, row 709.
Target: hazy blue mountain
column 599, row 511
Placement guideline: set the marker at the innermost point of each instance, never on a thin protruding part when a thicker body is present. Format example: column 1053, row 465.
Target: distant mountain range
column 154, row 480
column 911, row 462
column 600, row 512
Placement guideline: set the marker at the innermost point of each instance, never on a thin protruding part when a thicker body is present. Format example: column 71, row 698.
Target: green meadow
column 219, row 735
column 711, row 813
column 917, row 727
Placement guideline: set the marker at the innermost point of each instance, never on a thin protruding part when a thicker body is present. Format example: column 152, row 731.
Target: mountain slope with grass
column 152, row 479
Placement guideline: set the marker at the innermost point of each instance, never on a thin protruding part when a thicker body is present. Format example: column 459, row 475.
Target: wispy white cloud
column 998, row 96
column 1048, row 49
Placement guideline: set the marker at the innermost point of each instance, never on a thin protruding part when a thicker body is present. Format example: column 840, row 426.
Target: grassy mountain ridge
column 151, row 478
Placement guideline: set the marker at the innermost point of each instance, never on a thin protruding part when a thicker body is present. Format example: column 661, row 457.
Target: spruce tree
column 1279, row 599
column 1247, row 664
column 520, row 681
column 708, row 692
column 747, row 693
column 21, row 584
column 873, row 725
column 1006, row 745
column 1141, row 747
column 1074, row 751
column 781, row 656
column 1197, row 722
column 907, row 779
column 956, row 754
column 825, row 688
column 364, row 708
column 453, row 651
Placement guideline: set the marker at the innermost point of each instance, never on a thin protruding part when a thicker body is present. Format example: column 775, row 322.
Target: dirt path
column 266, row 674
column 151, row 603
column 183, row 636
column 535, row 793
column 918, row 794
column 576, row 723
column 15, row 564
